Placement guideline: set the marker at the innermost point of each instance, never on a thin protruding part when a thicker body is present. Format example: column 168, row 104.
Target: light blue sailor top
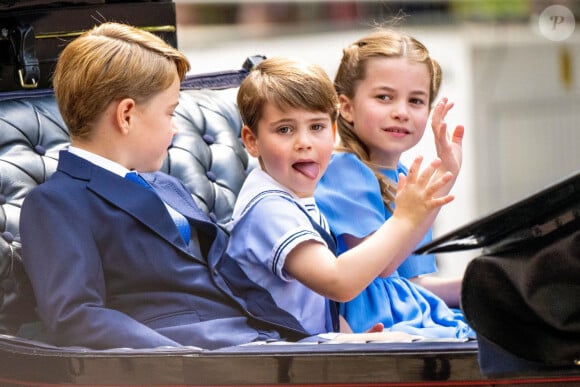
column 266, row 225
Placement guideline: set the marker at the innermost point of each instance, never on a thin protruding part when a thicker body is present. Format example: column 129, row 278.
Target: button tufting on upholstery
column 208, row 138
column 207, row 155
column 211, row 176
column 40, row 149
column 213, row 217
column 8, row 236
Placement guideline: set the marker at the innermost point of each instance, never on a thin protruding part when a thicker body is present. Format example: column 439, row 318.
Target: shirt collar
column 101, row 161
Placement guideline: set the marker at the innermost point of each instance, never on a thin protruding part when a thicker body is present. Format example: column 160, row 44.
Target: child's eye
column 384, row 97
column 284, row 129
column 317, row 127
column 417, row 101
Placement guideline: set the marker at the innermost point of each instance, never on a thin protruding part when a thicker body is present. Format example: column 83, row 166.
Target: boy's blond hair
column 110, row 62
column 285, row 83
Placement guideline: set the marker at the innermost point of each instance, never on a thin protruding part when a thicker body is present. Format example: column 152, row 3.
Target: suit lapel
column 141, row 203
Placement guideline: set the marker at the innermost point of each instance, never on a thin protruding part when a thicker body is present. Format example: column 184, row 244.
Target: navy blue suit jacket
column 109, row 268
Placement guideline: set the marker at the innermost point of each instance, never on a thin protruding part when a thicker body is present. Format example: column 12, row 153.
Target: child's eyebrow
column 384, row 88
column 391, row 89
column 321, row 117
column 420, row 92
column 282, row 121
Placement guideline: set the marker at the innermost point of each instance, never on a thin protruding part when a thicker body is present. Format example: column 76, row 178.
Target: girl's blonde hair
column 352, row 70
column 110, row 62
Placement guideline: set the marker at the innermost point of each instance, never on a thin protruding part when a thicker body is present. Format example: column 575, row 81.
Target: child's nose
column 303, row 139
column 400, row 111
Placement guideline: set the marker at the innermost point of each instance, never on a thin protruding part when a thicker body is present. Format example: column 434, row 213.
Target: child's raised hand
column 417, row 195
column 449, row 150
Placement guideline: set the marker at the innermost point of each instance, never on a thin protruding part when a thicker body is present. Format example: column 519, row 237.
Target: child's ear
column 345, row 107
column 123, row 114
column 250, row 141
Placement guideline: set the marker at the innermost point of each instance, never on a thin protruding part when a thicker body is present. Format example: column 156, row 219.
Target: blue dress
column 349, row 197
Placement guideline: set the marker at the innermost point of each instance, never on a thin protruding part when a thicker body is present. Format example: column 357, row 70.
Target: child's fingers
column 378, row 327
column 402, row 183
column 446, row 107
column 441, row 134
column 440, row 111
column 413, row 172
column 458, row 134
column 436, row 184
column 438, row 123
column 425, row 176
column 441, row 201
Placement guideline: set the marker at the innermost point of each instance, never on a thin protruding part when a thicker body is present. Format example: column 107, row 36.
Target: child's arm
column 449, row 149
column 342, row 278
column 448, row 289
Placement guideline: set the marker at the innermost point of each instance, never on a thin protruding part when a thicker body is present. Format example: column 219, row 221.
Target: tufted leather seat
column 207, row 155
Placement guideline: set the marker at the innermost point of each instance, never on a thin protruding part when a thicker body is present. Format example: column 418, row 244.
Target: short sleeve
column 349, row 196
column 267, row 239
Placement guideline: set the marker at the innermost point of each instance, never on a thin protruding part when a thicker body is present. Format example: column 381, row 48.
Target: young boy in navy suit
column 108, row 260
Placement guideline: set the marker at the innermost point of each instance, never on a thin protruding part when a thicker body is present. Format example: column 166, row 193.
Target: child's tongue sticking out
column 310, row 169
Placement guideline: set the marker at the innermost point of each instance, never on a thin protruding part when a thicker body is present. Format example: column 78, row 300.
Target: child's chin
column 304, row 192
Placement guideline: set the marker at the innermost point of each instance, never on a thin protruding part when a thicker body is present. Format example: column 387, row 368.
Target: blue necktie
column 180, row 221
